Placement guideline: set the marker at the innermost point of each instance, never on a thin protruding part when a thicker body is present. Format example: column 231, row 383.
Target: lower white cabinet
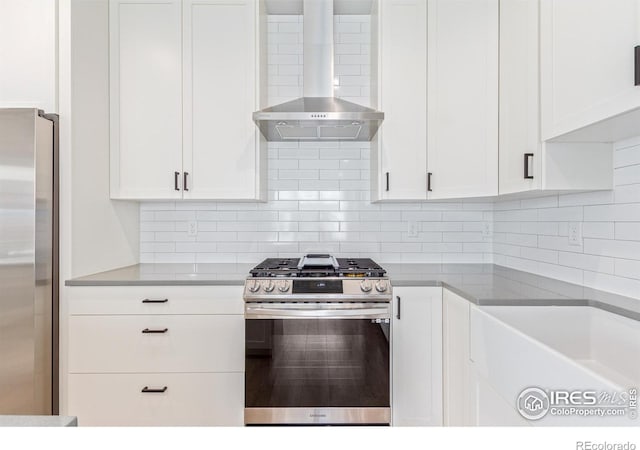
column 107, row 344
column 455, row 359
column 469, row 398
column 416, row 356
column 488, row 408
column 156, row 356
column 190, row 399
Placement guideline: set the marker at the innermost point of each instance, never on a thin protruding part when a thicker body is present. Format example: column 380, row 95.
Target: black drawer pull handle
column 387, row 175
column 429, row 175
column 399, row 300
column 175, row 180
column 148, row 300
column 146, row 390
column 148, row 331
column 528, row 158
column 636, row 53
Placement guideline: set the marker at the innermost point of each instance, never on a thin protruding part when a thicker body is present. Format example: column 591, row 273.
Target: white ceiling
column 339, row 6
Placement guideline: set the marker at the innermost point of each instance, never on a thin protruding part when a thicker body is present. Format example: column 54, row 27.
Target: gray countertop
column 38, row 421
column 483, row 284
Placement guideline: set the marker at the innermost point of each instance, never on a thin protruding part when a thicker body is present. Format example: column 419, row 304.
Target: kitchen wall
column 319, row 198
column 532, row 234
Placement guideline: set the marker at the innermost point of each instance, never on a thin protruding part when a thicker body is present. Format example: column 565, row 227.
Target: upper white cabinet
column 587, row 64
column 519, row 142
column 463, row 98
column 146, row 98
column 402, row 72
column 28, row 45
column 183, row 88
column 526, row 163
column 417, row 356
column 438, row 87
column 220, row 92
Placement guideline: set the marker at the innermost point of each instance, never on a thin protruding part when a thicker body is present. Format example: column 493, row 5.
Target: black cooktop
column 347, row 267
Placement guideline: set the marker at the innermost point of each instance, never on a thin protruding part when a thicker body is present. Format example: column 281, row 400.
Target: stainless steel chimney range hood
column 318, row 116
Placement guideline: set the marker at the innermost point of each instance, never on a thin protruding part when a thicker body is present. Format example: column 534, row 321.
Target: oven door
column 317, row 363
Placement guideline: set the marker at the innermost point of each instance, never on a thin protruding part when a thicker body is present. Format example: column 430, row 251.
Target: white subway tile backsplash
column 602, row 230
column 573, row 213
column 627, row 231
column 587, row 262
column 627, row 268
column 609, row 258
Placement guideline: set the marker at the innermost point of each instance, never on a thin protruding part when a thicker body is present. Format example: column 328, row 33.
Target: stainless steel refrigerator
column 28, row 262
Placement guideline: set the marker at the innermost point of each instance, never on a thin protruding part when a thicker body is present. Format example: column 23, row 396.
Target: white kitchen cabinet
column 587, row 65
column 525, row 163
column 196, row 351
column 181, row 103
column 146, row 99
column 417, row 356
column 28, row 45
column 463, row 98
column 163, row 343
column 488, row 408
column 455, row 359
column 190, row 399
column 400, row 154
column 221, row 143
column 519, row 97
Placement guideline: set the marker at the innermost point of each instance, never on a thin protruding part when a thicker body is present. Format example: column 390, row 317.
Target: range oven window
column 316, row 363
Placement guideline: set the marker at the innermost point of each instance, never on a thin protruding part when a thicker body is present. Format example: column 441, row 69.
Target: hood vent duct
column 318, row 116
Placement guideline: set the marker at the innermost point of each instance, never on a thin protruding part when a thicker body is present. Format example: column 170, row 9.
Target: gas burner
column 317, row 266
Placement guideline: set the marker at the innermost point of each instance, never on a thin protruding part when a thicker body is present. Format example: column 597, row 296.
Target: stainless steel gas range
column 317, row 342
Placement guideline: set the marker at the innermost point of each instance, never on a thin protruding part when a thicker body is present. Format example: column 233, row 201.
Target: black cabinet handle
column 148, row 300
column 148, row 331
column 637, row 64
column 387, row 174
column 147, row 390
column 429, row 174
column 184, row 182
column 399, row 302
column 175, row 180
column 528, row 157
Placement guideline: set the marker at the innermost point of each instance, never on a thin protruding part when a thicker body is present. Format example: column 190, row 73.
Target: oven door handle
column 292, row 312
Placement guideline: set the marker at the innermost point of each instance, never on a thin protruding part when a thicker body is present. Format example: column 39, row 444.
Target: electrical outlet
column 487, row 229
column 192, row 228
column 412, row 229
column 575, row 233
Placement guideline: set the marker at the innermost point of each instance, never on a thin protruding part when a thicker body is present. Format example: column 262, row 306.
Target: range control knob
column 269, row 286
column 381, row 286
column 254, row 286
column 365, row 286
column 283, row 286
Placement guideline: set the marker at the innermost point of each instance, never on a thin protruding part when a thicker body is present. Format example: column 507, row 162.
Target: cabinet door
column 587, row 62
column 146, row 98
column 455, row 359
column 519, row 96
column 463, row 98
column 488, row 408
column 403, row 98
column 190, row 399
column 156, row 343
column 416, row 337
column 220, row 64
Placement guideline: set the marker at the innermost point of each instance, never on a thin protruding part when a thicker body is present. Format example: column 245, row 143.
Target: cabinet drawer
column 111, row 344
column 151, row 300
column 191, row 399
